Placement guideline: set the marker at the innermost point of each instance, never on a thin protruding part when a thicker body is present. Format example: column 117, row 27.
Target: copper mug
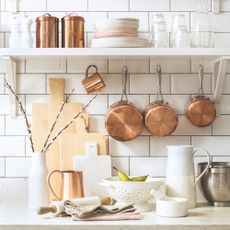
column 71, row 184
column 93, row 82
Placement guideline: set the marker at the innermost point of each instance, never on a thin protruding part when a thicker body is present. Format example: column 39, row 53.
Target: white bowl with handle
column 136, row 192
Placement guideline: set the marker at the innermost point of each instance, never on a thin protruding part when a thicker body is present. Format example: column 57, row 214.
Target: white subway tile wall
column 145, row 154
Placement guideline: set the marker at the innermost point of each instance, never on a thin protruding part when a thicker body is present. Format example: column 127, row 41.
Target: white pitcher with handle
column 180, row 177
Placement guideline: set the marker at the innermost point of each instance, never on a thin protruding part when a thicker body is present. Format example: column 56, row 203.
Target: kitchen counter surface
column 16, row 216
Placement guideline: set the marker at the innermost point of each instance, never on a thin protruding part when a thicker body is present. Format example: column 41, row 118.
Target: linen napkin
column 101, row 212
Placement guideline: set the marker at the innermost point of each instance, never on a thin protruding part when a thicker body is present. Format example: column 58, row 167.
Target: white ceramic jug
column 180, row 178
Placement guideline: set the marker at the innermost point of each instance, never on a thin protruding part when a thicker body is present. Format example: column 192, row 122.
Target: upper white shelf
column 221, row 56
column 28, row 53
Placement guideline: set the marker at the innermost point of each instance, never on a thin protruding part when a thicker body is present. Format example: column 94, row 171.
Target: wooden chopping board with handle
column 43, row 116
column 72, row 144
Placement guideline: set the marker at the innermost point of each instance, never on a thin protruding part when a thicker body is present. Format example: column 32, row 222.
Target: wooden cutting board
column 43, row 116
column 72, row 144
column 95, row 168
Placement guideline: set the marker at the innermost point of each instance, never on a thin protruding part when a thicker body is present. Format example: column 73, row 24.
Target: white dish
column 120, row 42
column 122, row 23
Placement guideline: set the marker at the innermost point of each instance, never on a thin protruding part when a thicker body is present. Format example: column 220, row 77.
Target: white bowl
column 173, row 207
column 132, row 192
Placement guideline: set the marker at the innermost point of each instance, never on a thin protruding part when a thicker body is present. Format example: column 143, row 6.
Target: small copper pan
column 124, row 121
column 201, row 111
column 160, row 118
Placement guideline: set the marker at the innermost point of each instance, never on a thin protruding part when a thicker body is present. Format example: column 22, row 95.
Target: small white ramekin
column 173, row 207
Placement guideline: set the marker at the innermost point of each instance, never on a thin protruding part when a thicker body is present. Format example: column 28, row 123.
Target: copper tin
column 71, row 184
column 160, row 119
column 201, row 111
column 47, row 31
column 124, row 121
column 73, row 32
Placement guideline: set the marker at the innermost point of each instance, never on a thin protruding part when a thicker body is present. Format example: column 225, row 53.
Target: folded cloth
column 101, row 212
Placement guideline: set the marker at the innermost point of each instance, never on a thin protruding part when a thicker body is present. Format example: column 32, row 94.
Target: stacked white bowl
column 118, row 33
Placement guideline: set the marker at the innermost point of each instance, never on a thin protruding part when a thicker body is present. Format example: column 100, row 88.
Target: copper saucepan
column 160, row 118
column 124, row 121
column 201, row 111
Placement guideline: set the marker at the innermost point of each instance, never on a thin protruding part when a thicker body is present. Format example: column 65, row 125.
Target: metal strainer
column 215, row 184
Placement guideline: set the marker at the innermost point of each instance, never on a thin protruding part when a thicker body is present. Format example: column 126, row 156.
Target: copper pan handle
column 201, row 80
column 159, row 93
column 124, row 82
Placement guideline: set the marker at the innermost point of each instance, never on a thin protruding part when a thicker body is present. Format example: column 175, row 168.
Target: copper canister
column 73, row 31
column 47, row 31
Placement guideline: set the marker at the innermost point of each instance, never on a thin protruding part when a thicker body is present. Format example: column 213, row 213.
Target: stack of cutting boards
column 71, row 142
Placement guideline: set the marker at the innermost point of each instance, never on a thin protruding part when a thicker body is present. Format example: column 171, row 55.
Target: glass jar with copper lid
column 73, row 31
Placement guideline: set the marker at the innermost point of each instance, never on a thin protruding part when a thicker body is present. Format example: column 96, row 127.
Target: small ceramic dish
column 172, row 207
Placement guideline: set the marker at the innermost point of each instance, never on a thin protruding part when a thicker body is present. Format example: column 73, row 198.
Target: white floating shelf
column 111, row 52
column 220, row 59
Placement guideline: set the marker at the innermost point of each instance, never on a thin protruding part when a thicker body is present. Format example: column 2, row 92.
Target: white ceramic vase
column 38, row 189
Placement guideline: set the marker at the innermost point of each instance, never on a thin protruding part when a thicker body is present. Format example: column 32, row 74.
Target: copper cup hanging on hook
column 124, row 121
column 201, row 111
column 160, row 118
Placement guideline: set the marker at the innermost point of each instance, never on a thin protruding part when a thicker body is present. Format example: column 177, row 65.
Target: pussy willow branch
column 67, row 125
column 23, row 113
column 56, row 120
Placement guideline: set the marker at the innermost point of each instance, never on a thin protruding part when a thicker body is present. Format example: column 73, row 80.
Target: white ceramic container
column 173, row 207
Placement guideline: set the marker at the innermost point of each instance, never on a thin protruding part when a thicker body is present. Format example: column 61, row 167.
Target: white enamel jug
column 180, row 177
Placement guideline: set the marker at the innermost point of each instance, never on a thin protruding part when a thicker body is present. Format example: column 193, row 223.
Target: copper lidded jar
column 73, row 31
column 47, row 31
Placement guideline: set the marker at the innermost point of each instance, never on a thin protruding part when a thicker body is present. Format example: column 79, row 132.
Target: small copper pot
column 47, row 31
column 160, row 118
column 124, row 121
column 73, row 31
column 93, row 82
column 201, row 111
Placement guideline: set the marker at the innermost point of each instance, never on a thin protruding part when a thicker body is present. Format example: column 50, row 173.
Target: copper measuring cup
column 93, row 82
column 71, row 184
column 201, row 111
column 124, row 121
column 160, row 118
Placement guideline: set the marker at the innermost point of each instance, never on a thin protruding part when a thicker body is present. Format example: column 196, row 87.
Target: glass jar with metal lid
column 73, row 31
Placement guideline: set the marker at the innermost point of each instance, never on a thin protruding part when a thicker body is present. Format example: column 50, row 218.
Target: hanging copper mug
column 93, row 82
column 71, row 185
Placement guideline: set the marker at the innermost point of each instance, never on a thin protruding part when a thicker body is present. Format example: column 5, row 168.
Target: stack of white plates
column 118, row 33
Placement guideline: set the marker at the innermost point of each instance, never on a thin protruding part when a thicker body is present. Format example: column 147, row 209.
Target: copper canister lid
column 201, row 112
column 123, row 121
column 47, row 17
column 160, row 119
column 73, row 17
